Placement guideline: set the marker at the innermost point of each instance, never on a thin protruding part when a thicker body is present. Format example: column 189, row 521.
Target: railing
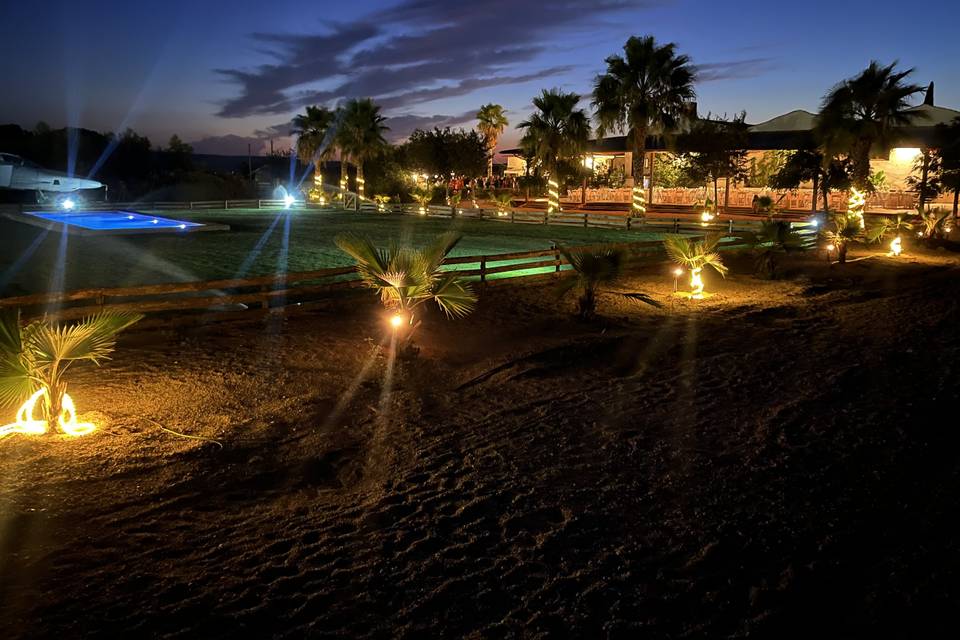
column 275, row 291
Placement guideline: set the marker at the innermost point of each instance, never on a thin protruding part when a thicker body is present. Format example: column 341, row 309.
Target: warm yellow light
column 904, row 155
column 831, row 248
column 856, row 203
column 678, row 272
column 423, row 211
column 696, row 284
column 396, row 320
column 588, row 162
column 639, row 202
column 896, row 246
column 553, row 196
column 27, row 424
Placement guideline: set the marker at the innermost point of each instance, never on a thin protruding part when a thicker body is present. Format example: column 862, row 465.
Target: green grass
column 111, row 261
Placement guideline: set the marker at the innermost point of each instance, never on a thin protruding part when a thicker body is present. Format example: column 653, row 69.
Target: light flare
column 896, row 246
column 27, row 424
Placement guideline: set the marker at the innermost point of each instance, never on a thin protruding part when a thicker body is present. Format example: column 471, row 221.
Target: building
column 788, row 132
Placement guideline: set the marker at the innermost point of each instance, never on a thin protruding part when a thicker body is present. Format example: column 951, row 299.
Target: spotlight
column 69, row 204
column 288, row 201
column 678, row 272
column 396, row 320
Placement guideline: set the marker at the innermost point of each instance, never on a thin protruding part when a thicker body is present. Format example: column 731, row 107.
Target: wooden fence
column 294, row 288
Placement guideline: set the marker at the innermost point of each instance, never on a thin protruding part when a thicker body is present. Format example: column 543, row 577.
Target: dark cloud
column 413, row 52
column 403, row 125
column 735, row 69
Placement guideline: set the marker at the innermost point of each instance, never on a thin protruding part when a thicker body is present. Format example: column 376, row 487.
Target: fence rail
column 272, row 291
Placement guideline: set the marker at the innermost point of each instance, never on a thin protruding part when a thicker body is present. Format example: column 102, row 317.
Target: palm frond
column 454, row 296
column 637, row 296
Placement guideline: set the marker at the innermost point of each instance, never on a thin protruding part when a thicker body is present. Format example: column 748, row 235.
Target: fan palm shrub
column 847, row 228
column 774, row 239
column 882, row 226
column 422, row 195
column 933, row 221
column 593, row 271
column 406, row 277
column 695, row 254
column 36, row 356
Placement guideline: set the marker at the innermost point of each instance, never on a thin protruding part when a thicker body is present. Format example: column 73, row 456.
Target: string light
column 638, row 207
column 856, row 203
column 553, row 201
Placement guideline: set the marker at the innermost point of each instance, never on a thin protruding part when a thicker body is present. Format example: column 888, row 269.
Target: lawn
column 28, row 262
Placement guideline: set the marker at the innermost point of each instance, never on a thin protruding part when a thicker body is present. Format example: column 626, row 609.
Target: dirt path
column 774, row 462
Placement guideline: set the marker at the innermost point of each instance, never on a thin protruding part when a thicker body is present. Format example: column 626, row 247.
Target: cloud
column 403, row 125
column 735, row 69
column 414, row 52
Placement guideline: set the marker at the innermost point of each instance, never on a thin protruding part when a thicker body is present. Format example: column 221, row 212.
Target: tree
column 714, row 149
column 407, row 277
column 315, row 140
column 774, row 238
column 809, row 165
column 647, row 90
column 179, row 155
column 948, row 152
column 491, row 122
column 862, row 113
column 555, row 132
column 35, row 357
column 695, row 255
column 592, row 270
column 442, row 152
column 360, row 134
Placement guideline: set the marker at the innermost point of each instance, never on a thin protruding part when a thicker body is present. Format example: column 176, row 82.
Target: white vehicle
column 22, row 175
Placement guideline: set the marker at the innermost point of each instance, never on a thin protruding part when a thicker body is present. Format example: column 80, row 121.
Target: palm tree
column 847, row 228
column 862, row 113
column 360, row 134
column 647, row 90
column 35, row 357
column 775, row 237
column 406, row 277
column 491, row 122
column 592, row 270
column 314, row 131
column 555, row 133
column 695, row 255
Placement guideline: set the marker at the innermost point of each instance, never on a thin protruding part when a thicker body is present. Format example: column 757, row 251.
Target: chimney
column 929, row 98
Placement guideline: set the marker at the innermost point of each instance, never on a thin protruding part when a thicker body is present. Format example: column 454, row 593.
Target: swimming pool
column 111, row 222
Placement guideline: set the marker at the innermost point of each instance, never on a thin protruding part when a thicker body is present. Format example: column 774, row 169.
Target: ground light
column 705, row 218
column 676, row 279
column 27, row 424
column 896, row 246
column 69, row 204
column 288, row 201
column 396, row 321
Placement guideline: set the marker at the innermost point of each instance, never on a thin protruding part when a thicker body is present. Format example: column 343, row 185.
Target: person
column 755, row 205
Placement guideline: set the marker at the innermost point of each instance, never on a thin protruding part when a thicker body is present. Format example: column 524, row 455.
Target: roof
column 796, row 120
column 932, row 115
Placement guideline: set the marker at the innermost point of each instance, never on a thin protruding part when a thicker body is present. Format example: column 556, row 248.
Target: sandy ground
column 779, row 460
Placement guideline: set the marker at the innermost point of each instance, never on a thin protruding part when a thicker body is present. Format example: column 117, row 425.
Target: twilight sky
column 224, row 74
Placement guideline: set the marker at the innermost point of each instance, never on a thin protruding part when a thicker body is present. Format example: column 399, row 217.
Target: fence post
column 512, row 214
column 191, row 206
column 483, row 269
column 676, row 225
column 585, row 219
column 628, row 222
column 259, row 204
column 556, row 256
column 265, row 299
column 226, row 204
column 730, row 227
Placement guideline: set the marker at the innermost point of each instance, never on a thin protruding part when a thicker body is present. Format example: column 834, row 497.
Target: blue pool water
column 114, row 220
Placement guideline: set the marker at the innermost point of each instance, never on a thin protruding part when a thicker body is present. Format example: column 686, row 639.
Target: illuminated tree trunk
column 638, row 202
column 924, row 172
column 344, row 180
column 361, row 183
column 815, row 193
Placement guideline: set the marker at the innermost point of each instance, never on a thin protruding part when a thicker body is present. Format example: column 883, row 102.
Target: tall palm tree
column 647, row 90
column 314, row 131
column 491, row 122
column 360, row 134
column 861, row 113
column 557, row 132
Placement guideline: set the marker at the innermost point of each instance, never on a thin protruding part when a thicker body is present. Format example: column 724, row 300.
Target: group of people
column 486, row 183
